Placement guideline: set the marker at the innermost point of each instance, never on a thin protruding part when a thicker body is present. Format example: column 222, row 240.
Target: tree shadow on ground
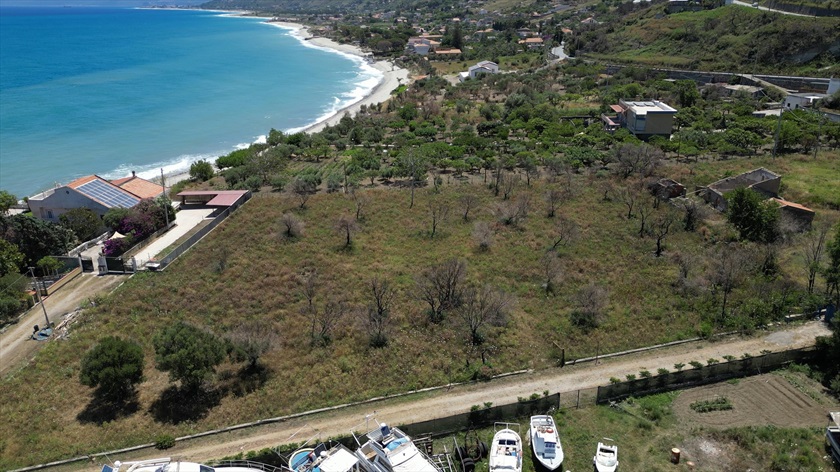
column 178, row 404
column 103, row 409
column 249, row 379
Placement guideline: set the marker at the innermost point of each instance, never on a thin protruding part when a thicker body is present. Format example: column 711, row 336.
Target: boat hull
column 545, row 442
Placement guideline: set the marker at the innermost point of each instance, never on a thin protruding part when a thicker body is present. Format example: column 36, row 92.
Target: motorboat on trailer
column 545, row 442
column 323, row 459
column 606, row 456
column 166, row 464
column 506, row 449
column 389, row 449
column 832, row 435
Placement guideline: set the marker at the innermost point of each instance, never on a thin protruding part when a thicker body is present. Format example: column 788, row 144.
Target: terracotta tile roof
column 82, row 180
column 792, row 205
column 140, row 187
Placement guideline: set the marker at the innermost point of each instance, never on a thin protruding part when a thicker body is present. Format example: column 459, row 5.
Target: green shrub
column 164, row 441
column 718, row 404
column 696, row 364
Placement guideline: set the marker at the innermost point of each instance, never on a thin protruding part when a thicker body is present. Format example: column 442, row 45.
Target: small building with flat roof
column 645, row 118
column 212, row 198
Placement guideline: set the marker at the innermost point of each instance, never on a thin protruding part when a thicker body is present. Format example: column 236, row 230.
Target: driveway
column 186, row 219
column 16, row 344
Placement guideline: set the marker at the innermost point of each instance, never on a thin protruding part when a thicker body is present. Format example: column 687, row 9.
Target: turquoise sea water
column 108, row 91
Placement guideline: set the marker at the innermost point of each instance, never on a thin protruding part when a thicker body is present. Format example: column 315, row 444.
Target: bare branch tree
column 661, row 226
column 440, row 286
column 607, row 188
column 565, row 232
column 379, row 311
column 361, row 201
column 468, row 202
column 480, row 308
column 693, row 213
column 346, row 226
column 553, row 196
column 250, row 340
column 728, row 266
column 552, row 270
column 812, row 252
column 508, row 182
column 590, row 303
column 302, row 189
column 291, row 226
column 628, row 196
column 643, row 211
column 438, row 212
column 511, row 213
column 309, row 287
column 483, row 235
column 640, row 159
column 325, row 321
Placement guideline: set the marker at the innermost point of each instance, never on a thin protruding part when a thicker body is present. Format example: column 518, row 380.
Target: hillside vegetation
column 731, row 38
column 246, row 271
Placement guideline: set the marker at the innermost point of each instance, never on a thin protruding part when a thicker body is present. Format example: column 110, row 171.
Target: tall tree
column 84, row 223
column 188, row 353
column 7, row 201
column 115, row 366
column 414, row 165
column 813, row 253
column 755, row 219
column 36, row 238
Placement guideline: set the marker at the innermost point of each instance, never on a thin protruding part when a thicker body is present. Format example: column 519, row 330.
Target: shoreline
column 392, row 76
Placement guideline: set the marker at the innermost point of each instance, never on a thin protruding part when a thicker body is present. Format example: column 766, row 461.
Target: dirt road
column 459, row 399
column 16, row 344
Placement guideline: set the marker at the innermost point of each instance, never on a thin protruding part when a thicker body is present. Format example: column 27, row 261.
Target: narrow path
column 442, row 403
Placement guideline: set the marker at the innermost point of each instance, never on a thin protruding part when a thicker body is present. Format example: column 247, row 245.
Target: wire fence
column 186, row 245
column 707, row 374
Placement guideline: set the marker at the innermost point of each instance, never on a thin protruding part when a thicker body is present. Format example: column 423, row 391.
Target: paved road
column 560, row 52
column 745, row 4
column 459, row 399
column 16, row 344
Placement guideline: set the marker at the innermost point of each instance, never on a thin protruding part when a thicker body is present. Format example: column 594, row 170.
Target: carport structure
column 212, row 198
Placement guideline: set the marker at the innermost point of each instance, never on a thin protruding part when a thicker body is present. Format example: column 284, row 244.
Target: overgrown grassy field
column 245, row 270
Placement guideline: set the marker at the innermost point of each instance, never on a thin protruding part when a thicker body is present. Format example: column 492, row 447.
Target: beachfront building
column 94, row 193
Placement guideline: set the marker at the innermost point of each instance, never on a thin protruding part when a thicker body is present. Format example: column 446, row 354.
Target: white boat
column 545, row 442
column 606, row 457
column 390, row 450
column 321, row 459
column 165, row 464
column 506, row 450
column 832, row 435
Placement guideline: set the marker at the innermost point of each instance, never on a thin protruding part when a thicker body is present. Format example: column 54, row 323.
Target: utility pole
column 40, row 297
column 819, row 132
column 165, row 197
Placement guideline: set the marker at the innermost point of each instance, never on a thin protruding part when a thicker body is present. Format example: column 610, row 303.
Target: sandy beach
column 392, row 78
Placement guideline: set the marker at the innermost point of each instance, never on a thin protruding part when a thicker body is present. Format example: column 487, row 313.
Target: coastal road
column 745, row 4
column 458, row 399
column 16, row 344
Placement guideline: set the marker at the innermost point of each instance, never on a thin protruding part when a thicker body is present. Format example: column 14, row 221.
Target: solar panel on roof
column 107, row 194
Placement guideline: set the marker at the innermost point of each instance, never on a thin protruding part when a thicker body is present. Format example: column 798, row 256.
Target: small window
column 49, row 214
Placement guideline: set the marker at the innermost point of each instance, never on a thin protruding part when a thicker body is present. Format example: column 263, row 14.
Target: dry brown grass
column 41, row 404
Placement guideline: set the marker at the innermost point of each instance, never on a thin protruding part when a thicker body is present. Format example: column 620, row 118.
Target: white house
column 483, row 67
column 95, row 193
